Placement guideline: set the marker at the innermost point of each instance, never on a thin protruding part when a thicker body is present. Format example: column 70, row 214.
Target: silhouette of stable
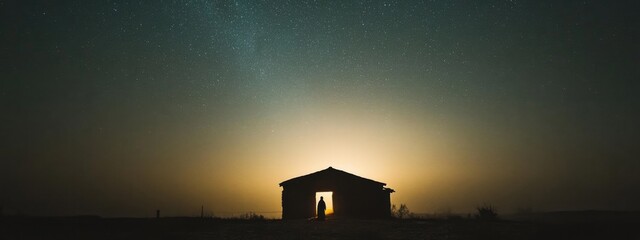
column 353, row 196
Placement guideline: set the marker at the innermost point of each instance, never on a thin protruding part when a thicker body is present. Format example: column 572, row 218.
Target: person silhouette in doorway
column 321, row 207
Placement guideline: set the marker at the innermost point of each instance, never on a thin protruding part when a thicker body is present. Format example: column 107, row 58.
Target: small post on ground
column 158, row 213
column 202, row 211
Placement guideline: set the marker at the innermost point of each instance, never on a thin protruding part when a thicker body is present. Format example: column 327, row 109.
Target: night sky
column 119, row 108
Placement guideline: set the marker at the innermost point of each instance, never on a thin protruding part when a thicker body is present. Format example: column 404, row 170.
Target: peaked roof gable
column 331, row 173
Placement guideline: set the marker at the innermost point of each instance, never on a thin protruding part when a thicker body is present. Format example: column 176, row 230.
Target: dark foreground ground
column 548, row 226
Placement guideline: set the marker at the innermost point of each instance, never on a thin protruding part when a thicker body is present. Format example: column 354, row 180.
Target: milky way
column 109, row 107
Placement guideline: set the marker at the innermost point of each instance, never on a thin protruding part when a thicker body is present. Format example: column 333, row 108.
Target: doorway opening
column 328, row 200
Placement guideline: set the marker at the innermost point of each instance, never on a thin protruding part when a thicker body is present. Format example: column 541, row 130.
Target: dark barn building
column 353, row 196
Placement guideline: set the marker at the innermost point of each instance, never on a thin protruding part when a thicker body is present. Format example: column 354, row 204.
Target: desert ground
column 584, row 225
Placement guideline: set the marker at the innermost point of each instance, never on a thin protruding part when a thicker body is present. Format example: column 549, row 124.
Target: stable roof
column 329, row 173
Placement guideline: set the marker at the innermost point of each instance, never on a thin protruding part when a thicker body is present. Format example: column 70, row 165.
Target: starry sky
column 119, row 108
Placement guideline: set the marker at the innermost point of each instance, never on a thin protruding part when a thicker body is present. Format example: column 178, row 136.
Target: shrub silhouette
column 487, row 212
column 402, row 212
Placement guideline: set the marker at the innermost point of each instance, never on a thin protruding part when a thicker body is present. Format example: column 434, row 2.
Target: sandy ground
column 194, row 228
